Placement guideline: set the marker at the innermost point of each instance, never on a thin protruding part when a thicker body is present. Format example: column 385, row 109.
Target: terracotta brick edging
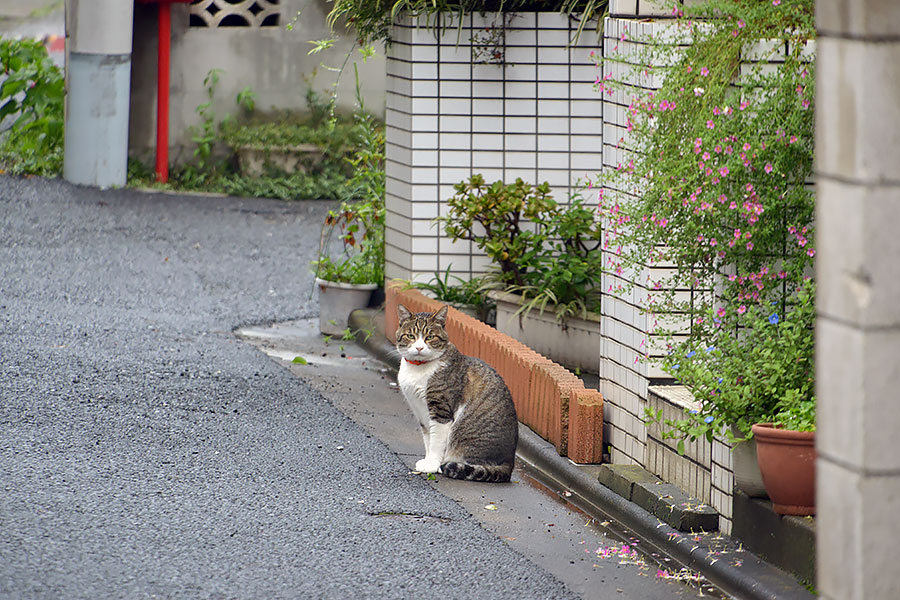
column 549, row 399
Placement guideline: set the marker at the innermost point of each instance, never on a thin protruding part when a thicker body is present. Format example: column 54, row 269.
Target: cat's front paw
column 428, row 465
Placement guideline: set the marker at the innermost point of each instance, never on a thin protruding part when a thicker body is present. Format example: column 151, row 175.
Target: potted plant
column 787, row 460
column 758, row 367
column 346, row 279
column 547, row 258
column 786, row 450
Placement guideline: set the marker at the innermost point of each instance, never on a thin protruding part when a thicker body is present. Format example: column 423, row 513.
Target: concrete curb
column 719, row 558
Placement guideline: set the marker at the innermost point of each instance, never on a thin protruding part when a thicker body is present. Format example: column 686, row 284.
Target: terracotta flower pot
column 787, row 460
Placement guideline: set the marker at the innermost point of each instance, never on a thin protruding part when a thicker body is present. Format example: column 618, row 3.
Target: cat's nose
column 419, row 348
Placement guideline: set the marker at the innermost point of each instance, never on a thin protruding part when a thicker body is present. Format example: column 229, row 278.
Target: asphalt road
column 146, row 452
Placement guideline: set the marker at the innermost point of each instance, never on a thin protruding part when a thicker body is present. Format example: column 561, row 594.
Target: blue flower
column 709, row 419
column 675, row 366
column 690, row 354
column 710, row 349
column 721, row 379
column 773, row 318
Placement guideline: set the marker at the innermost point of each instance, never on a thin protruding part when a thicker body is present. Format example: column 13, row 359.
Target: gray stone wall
column 858, row 329
column 272, row 60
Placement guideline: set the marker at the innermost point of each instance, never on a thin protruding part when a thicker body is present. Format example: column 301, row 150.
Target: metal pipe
column 164, row 37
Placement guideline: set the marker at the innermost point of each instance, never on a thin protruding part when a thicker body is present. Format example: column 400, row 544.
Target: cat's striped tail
column 491, row 473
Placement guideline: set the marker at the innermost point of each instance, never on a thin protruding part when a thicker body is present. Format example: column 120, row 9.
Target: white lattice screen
column 235, row 13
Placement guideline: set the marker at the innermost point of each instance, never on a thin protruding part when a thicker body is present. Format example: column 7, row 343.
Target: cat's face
column 421, row 336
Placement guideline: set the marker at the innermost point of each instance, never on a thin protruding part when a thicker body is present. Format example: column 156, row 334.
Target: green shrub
column 547, row 253
column 32, row 96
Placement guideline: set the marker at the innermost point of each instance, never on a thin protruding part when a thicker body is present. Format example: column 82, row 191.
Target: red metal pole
column 162, row 92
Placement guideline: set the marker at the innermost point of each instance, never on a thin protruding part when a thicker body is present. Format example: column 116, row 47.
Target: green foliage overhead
column 372, row 19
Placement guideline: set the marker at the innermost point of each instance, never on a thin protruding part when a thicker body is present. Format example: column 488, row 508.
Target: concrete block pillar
column 858, row 329
column 98, row 79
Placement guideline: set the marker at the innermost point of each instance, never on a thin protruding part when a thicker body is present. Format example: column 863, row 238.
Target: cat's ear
column 403, row 312
column 440, row 317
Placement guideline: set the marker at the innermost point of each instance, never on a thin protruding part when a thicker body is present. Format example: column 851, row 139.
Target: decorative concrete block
column 857, row 250
column 863, row 148
column 859, row 19
column 622, row 478
column 859, row 364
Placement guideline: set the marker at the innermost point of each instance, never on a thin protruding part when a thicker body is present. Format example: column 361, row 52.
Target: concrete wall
column 270, row 59
column 858, row 329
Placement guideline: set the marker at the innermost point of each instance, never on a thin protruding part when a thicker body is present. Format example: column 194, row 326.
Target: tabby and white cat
column 464, row 408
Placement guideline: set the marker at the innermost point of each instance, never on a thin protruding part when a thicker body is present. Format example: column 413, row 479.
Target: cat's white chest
column 413, row 382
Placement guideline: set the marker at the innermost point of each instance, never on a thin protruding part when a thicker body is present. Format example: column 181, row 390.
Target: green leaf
column 299, row 360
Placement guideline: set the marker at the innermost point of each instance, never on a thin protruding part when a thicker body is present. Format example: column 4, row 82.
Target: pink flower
column 710, row 124
column 721, row 311
column 704, row 71
column 747, row 146
column 776, row 2
column 706, row 156
column 749, row 245
column 713, row 242
column 793, row 139
column 741, row 309
column 768, row 168
column 723, row 171
column 810, row 253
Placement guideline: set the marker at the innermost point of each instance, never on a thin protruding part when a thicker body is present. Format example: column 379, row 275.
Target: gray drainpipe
column 98, row 85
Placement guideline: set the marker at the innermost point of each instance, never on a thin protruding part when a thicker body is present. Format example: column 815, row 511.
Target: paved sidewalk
column 585, row 553
column 721, row 559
